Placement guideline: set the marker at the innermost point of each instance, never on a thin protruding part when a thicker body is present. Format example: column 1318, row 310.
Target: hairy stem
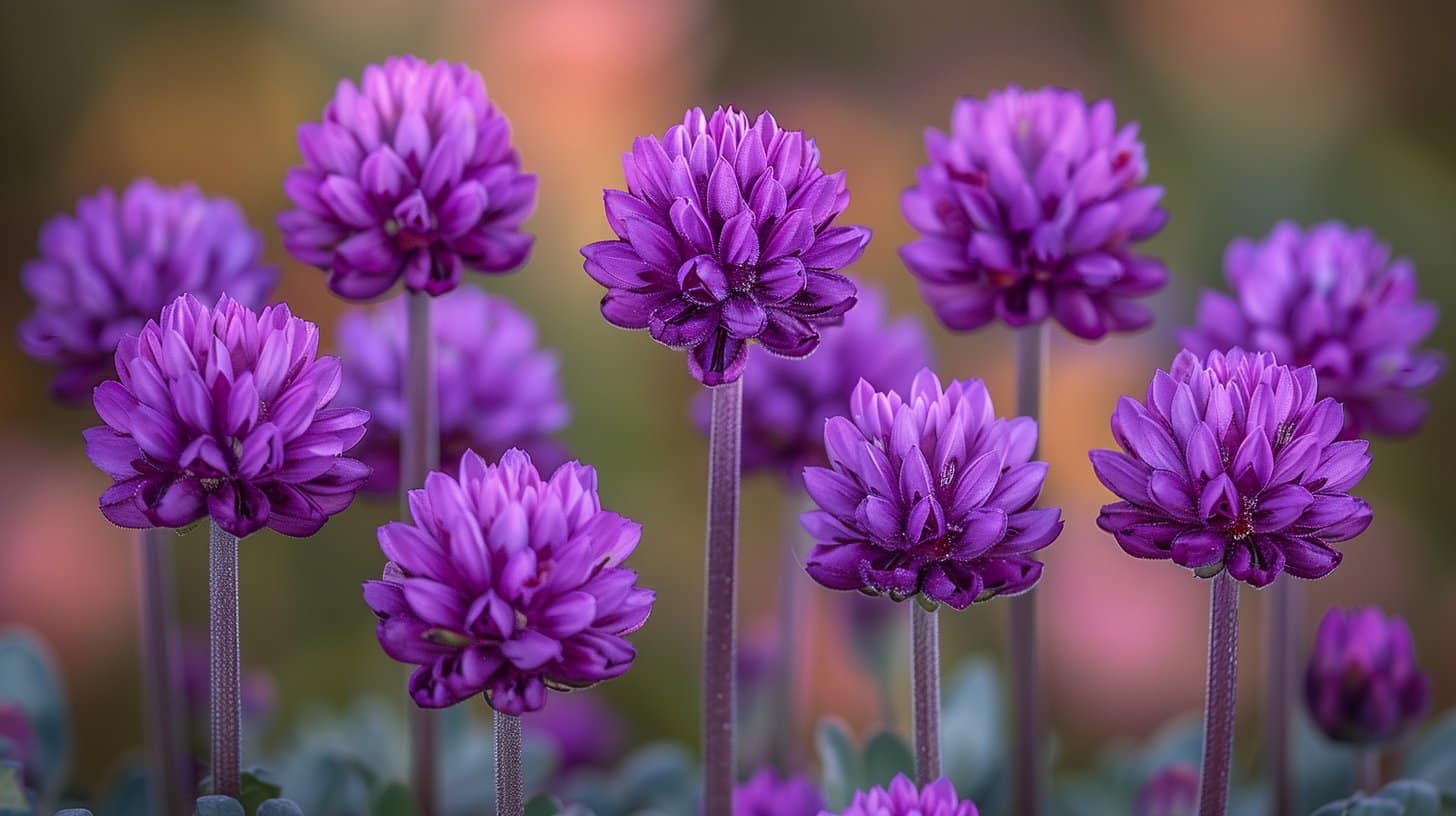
column 925, row 691
column 419, row 454
column 720, row 609
column 510, row 797
column 225, row 663
column 1031, row 366
column 1218, row 715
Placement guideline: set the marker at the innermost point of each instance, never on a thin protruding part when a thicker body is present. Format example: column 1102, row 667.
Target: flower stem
column 1283, row 628
column 225, row 663
column 720, row 609
column 510, row 797
column 790, row 612
column 925, row 691
column 1031, row 366
column 419, row 454
column 166, row 758
column 1218, row 715
column 1368, row 760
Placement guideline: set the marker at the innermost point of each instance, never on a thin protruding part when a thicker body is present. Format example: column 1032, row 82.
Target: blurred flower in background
column 1172, row 791
column 767, row 793
column 498, row 389
column 1362, row 684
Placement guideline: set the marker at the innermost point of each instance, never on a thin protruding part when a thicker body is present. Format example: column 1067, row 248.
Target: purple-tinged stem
column 510, row 791
column 1031, row 366
column 225, row 663
column 1283, row 629
column 925, row 691
column 418, row 455
column 1368, row 762
column 1218, row 714
column 167, row 765
column 719, row 637
column 791, row 602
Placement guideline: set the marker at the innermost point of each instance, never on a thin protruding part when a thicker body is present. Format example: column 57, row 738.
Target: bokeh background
column 1251, row 111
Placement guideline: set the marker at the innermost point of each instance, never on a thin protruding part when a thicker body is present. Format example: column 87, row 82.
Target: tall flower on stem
column 903, row 798
column 1333, row 298
column 1231, row 467
column 411, row 176
column 725, row 235
column 928, row 497
column 102, row 273
column 1031, row 208
column 786, row 402
column 1362, row 685
column 506, row 584
column 221, row 413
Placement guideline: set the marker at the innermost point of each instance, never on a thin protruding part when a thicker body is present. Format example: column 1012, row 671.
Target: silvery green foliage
column 1433, row 757
column 660, row 779
column 29, row 681
column 15, row 800
column 1404, row 797
column 846, row 767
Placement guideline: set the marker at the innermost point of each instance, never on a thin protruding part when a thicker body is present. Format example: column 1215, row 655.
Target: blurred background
column 1251, row 111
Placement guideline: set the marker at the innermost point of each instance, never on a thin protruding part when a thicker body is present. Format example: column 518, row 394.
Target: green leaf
column 1416, row 797
column 29, row 680
column 393, row 799
column 1433, row 757
column 543, row 804
column 258, row 787
column 842, row 766
column 14, row 800
column 886, row 756
column 218, row 806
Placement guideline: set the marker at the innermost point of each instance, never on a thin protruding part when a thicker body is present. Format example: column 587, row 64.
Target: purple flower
column 583, row 731
column 107, row 270
column 507, row 584
column 768, row 794
column 1172, row 791
column 1362, row 684
column 786, row 401
column 724, row 235
column 221, row 412
column 1332, row 298
column 411, row 175
column 902, row 799
column 929, row 496
column 1233, row 464
column 1031, row 206
column 497, row 388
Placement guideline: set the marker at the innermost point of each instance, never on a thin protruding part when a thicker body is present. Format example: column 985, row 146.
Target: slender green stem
column 1031, row 366
column 510, row 796
column 420, row 454
column 925, row 691
column 225, row 663
column 720, row 612
column 161, row 675
column 1218, row 715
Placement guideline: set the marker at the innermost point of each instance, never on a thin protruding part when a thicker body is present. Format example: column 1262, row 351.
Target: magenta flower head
column 787, row 401
column 929, row 496
column 1233, row 464
column 508, row 584
column 1172, row 791
column 410, row 175
column 1330, row 297
column 725, row 235
column 497, row 388
column 1362, row 684
column 766, row 793
column 1032, row 206
column 107, row 270
column 903, row 799
column 221, row 412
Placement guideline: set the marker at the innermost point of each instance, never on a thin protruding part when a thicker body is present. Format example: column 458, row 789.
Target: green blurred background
column 1251, row 111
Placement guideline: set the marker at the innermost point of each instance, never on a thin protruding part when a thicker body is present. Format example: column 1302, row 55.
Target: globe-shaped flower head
column 930, row 495
column 107, row 270
column 221, row 412
column 410, row 175
column 497, row 388
column 903, row 799
column 1330, row 297
column 787, row 401
column 1032, row 206
column 507, row 584
column 766, row 793
column 1362, row 684
column 725, row 235
column 1233, row 464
